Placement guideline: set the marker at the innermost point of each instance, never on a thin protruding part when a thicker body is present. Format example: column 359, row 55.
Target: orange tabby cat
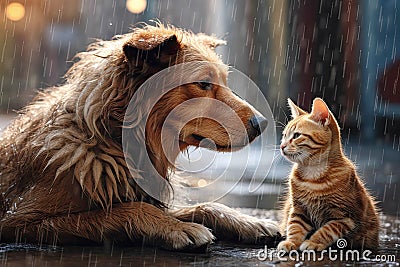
column 326, row 199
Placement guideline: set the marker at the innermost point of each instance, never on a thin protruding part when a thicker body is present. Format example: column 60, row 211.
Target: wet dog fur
column 64, row 179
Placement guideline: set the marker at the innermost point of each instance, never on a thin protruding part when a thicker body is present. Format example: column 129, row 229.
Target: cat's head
column 309, row 138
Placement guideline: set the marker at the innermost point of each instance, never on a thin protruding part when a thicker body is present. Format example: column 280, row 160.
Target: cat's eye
column 205, row 85
column 296, row 135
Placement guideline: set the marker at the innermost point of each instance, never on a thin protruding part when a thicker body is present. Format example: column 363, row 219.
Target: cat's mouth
column 291, row 156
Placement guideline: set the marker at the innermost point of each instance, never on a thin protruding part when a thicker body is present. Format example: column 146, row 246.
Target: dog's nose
column 259, row 123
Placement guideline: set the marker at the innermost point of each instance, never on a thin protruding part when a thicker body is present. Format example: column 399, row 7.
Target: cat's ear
column 296, row 111
column 320, row 112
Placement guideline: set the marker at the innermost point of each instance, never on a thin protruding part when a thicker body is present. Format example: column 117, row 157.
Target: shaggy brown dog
column 64, row 177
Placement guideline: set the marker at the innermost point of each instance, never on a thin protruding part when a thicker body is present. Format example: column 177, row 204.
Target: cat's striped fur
column 326, row 199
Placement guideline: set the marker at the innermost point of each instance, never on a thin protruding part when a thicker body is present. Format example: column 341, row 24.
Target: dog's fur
column 63, row 174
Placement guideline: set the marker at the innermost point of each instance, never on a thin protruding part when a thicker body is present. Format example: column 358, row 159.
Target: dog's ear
column 152, row 50
column 210, row 41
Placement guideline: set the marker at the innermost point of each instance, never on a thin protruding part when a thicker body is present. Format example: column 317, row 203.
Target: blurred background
column 346, row 51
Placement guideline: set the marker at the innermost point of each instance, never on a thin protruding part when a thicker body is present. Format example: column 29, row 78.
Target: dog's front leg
column 228, row 224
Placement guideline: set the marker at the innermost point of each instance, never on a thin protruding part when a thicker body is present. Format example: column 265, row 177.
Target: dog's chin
column 204, row 142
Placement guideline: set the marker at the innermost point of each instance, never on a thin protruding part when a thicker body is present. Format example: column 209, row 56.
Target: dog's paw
column 186, row 236
column 309, row 245
column 230, row 224
column 253, row 230
column 287, row 246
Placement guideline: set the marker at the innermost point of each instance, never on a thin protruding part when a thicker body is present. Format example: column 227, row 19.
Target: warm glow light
column 136, row 6
column 201, row 183
column 15, row 11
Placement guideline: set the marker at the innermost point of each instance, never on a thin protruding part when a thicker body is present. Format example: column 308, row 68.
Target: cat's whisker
column 284, row 113
column 280, row 124
column 268, row 146
column 277, row 156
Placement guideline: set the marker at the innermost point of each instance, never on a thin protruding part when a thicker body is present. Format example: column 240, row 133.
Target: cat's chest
column 312, row 172
column 317, row 210
column 320, row 208
column 312, row 204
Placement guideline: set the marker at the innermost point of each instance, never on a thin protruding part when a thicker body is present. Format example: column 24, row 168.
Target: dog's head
column 108, row 80
column 152, row 49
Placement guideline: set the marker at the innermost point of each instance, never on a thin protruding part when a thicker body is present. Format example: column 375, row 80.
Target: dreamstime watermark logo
column 340, row 254
column 220, row 123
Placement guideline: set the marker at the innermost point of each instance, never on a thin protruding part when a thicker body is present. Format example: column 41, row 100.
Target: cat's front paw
column 287, row 246
column 309, row 245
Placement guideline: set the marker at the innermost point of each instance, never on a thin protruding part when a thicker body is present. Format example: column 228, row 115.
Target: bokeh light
column 136, row 6
column 15, row 11
column 202, row 183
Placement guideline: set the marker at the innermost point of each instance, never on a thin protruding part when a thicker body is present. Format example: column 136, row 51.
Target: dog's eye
column 205, row 85
column 296, row 135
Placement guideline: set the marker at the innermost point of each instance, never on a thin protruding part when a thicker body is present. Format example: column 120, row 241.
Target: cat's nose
column 283, row 146
column 258, row 123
